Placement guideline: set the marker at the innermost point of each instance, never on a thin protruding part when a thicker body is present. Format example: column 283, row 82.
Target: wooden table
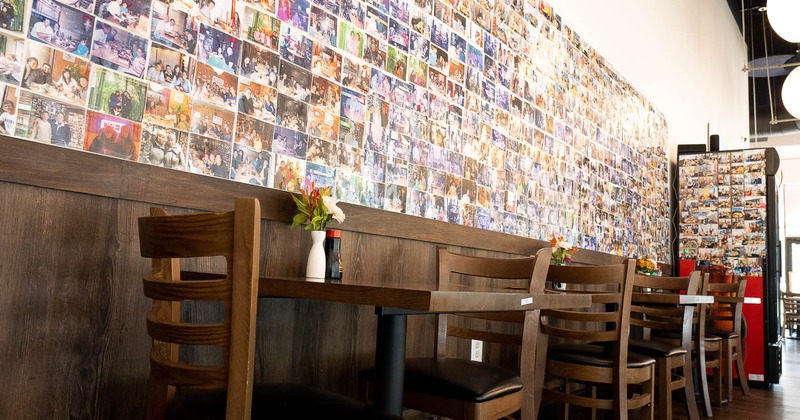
column 393, row 304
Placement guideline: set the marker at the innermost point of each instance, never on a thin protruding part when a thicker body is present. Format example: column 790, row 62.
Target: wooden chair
column 653, row 316
column 595, row 352
column 724, row 320
column 450, row 384
column 791, row 313
column 201, row 388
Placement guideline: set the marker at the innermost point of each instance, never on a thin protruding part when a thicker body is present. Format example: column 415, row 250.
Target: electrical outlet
column 477, row 351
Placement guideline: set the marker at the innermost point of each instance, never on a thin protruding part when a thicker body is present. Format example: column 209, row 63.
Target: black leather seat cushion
column 457, row 378
column 594, row 355
column 275, row 401
column 654, row 348
column 729, row 335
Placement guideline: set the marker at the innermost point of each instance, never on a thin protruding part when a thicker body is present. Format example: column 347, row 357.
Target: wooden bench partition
column 73, row 343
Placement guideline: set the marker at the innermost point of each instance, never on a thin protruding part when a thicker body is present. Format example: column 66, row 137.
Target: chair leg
column 703, row 379
column 664, row 378
column 688, row 389
column 727, row 359
column 716, row 372
column 740, row 368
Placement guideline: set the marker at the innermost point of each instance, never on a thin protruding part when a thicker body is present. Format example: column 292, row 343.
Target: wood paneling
column 72, row 331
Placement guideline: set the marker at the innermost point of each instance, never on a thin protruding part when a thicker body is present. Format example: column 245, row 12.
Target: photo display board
column 723, row 209
column 485, row 113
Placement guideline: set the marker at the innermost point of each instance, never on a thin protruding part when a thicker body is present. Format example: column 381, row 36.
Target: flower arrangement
column 562, row 250
column 317, row 207
column 646, row 266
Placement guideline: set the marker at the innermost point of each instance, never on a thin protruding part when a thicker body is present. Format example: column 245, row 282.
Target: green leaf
column 299, row 219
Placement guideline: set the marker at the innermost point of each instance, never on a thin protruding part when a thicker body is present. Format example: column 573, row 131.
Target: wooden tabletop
column 671, row 298
column 419, row 300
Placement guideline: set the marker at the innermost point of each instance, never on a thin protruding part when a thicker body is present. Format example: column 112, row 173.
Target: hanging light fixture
column 784, row 16
column 791, row 93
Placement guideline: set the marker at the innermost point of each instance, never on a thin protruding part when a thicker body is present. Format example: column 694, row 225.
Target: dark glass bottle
column 333, row 265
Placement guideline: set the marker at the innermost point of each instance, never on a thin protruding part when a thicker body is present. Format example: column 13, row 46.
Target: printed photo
column 398, row 35
column 257, row 100
column 55, row 73
column 168, row 108
column 131, row 15
column 350, row 133
column 251, row 166
column 418, row 72
column 292, row 114
column 380, row 83
column 215, row 86
column 354, row 11
column 325, row 94
column 295, row 47
column 396, row 63
column 171, row 68
column 208, row 156
column 218, row 49
column 11, row 59
column 261, row 28
column 294, row 12
column 294, row 81
column 375, row 52
column 321, row 152
column 266, row 5
column 419, row 46
column 253, row 133
column 330, row 5
column 323, row 26
column 112, row 136
column 355, row 75
column 173, row 27
column 210, row 121
column 220, row 15
column 119, row 50
column 162, row 146
column 399, row 10
column 259, row 64
column 118, row 95
column 9, row 116
column 326, row 62
column 351, row 39
column 45, row 120
column 291, row 143
column 12, row 15
column 353, row 106
column 323, row 124
column 376, row 23
column 63, row 27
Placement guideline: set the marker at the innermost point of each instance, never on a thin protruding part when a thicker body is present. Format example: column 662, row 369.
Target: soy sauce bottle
column 333, row 243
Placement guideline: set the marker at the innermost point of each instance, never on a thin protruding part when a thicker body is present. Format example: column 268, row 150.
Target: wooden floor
column 782, row 401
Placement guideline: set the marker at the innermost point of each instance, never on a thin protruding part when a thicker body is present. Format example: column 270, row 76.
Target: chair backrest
column 652, row 317
column 611, row 287
column 169, row 239
column 465, row 272
column 726, row 315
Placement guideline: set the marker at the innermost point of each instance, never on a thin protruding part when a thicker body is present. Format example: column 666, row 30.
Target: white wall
column 685, row 56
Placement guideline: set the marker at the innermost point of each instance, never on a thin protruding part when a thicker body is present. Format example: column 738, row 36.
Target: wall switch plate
column 477, row 351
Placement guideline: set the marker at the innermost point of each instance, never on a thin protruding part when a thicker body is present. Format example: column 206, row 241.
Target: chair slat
column 492, row 337
column 188, row 333
column 204, row 290
column 207, row 377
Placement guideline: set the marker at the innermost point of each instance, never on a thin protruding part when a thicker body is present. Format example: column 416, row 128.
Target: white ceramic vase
column 315, row 266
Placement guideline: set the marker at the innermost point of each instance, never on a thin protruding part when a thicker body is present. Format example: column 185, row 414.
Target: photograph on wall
column 323, row 124
column 292, row 114
column 253, row 133
column 295, row 47
column 170, row 68
column 112, row 136
column 327, row 62
column 218, row 49
column 251, row 166
column 61, row 26
column 50, row 121
column 351, row 39
column 375, row 52
column 12, row 15
column 168, row 108
column 294, row 12
column 209, row 156
column 325, row 94
column 119, row 50
column 322, row 26
column 321, row 152
column 355, row 75
column 163, row 146
column 259, row 64
column 12, row 55
column 260, row 28
column 9, row 117
column 294, row 81
column 118, row 95
column 131, row 15
column 215, row 86
column 173, row 27
column 258, row 101
column 55, row 73
column 289, row 173
column 210, row 121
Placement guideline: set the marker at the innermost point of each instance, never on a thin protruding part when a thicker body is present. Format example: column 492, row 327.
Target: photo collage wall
column 485, row 113
column 723, row 210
